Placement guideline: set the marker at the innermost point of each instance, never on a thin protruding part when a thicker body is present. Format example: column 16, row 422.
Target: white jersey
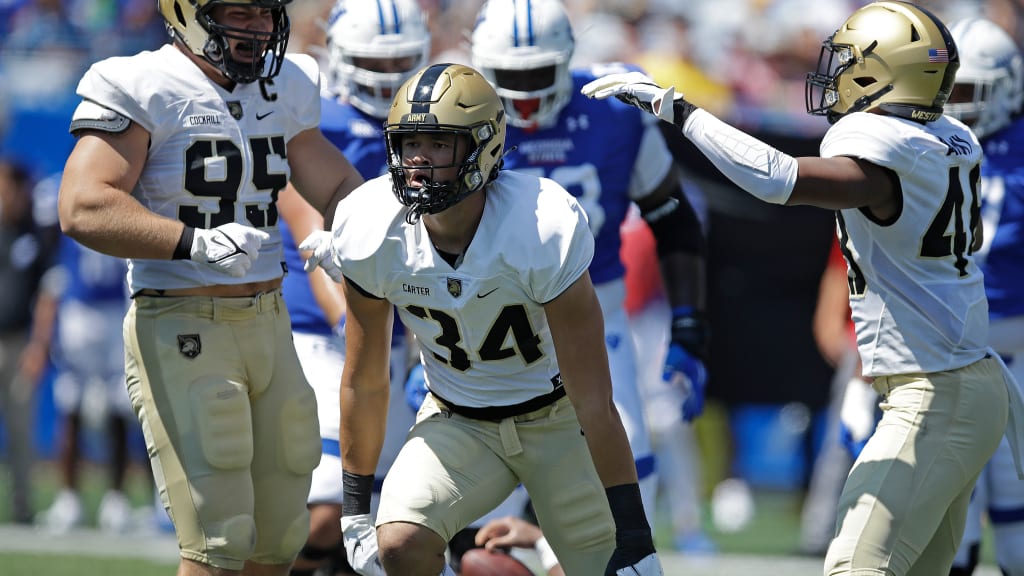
column 916, row 293
column 215, row 156
column 481, row 327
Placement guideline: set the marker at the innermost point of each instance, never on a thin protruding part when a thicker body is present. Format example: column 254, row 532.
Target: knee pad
column 300, row 433
column 287, row 548
column 224, row 424
column 231, row 542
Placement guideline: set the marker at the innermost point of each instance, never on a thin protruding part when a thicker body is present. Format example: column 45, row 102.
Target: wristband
column 358, row 488
column 689, row 330
column 627, row 507
column 548, row 560
column 183, row 251
column 681, row 110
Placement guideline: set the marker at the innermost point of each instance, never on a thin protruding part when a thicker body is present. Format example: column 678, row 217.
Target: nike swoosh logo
column 262, row 116
column 486, row 294
column 230, row 245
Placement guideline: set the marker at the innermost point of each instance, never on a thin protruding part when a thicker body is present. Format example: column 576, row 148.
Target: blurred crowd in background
column 745, row 60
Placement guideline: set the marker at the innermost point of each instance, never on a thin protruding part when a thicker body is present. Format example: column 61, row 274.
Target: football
column 481, row 562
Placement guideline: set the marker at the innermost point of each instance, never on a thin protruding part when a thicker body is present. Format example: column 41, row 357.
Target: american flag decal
column 938, row 55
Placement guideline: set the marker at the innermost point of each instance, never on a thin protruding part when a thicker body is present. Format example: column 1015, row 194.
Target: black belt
column 498, row 413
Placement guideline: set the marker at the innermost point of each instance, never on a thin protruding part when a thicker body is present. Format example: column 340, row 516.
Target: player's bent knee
column 224, row 424
column 287, row 548
column 231, row 542
column 402, row 544
column 301, row 433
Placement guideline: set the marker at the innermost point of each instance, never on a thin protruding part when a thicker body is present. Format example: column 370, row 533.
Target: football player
column 373, row 47
column 903, row 179
column 987, row 96
column 78, row 314
column 608, row 156
column 488, row 268
column 180, row 157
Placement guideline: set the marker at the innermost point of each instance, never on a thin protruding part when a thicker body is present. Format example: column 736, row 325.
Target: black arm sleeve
column 675, row 225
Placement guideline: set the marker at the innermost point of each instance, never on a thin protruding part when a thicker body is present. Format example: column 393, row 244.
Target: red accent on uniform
column 640, row 256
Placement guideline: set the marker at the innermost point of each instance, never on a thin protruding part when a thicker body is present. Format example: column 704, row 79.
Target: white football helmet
column 989, row 87
column 373, row 47
column 523, row 48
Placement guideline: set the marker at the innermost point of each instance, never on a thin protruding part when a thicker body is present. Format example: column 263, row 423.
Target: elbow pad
column 762, row 170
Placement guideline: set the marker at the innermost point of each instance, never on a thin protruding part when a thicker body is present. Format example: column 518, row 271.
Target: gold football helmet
column 891, row 56
column 190, row 22
column 451, row 99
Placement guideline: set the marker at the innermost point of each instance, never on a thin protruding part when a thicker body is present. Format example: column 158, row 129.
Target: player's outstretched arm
column 761, row 170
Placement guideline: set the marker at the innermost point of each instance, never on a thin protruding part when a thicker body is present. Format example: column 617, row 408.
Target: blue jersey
column 306, row 314
column 1002, row 211
column 605, row 153
column 357, row 134
column 89, row 276
column 361, row 138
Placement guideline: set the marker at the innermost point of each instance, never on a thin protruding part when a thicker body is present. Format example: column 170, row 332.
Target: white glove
column 229, row 248
column 360, row 538
column 635, row 89
column 319, row 243
column 649, row 566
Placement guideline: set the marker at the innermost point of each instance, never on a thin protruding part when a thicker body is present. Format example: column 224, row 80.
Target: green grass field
column 17, row 564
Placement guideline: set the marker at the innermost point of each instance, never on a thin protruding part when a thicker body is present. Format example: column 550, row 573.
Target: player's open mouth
column 245, row 51
column 419, row 180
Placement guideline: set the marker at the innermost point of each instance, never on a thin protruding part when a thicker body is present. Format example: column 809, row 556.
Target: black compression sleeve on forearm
column 358, row 488
column 627, row 507
column 676, row 229
column 681, row 110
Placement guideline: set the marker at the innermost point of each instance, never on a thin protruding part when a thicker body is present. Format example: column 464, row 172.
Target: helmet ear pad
column 191, row 22
column 892, row 56
column 446, row 99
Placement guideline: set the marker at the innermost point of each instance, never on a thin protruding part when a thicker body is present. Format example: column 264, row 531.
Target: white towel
column 1015, row 423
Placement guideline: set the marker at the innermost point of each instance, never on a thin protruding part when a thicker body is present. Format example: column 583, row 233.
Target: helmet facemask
column 445, row 99
column 191, row 22
column 534, row 96
column 434, row 194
